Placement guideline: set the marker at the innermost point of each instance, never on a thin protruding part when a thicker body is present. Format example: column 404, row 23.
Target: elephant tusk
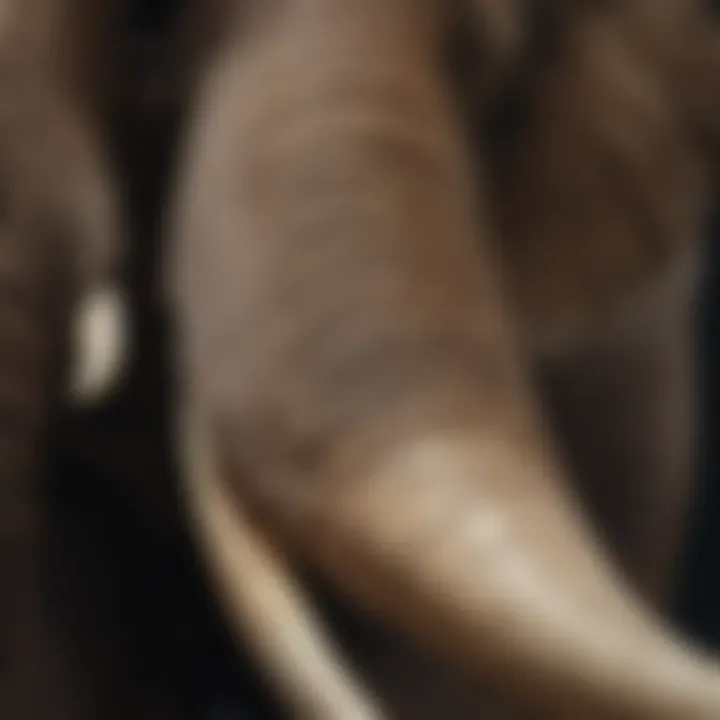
column 100, row 338
column 469, row 546
column 267, row 606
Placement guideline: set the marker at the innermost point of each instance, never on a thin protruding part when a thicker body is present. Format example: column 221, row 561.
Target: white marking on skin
column 100, row 337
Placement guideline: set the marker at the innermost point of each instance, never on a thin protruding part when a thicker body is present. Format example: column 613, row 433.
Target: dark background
column 699, row 606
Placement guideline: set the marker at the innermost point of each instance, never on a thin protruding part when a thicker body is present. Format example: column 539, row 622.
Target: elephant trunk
column 347, row 344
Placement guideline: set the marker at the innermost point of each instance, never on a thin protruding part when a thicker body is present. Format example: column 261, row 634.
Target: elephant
column 582, row 377
column 374, row 327
column 62, row 326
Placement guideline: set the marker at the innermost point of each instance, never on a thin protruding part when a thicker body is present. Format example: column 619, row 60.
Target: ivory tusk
column 266, row 605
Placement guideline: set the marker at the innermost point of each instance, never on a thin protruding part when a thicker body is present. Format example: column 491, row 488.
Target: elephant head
column 352, row 370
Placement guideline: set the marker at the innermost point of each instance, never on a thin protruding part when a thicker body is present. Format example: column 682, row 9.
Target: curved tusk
column 266, row 605
column 100, row 339
column 469, row 543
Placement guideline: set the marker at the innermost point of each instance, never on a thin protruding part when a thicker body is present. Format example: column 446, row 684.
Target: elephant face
column 354, row 386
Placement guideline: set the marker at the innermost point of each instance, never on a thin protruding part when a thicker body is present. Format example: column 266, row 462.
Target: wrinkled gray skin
column 337, row 300
column 58, row 234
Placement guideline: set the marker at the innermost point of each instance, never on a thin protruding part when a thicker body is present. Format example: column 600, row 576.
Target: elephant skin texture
column 359, row 330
